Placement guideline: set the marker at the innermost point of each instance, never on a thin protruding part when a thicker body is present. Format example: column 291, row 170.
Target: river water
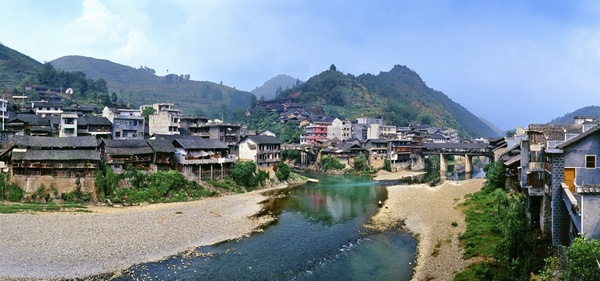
column 319, row 234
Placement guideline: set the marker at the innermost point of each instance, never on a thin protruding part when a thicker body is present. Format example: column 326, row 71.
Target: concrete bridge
column 468, row 150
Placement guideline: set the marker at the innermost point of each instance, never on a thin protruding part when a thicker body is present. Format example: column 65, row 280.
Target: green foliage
column 12, row 208
column 584, row 257
column 147, row 111
column 495, row 175
column 282, row 171
column 387, row 165
column 3, row 190
column 227, row 184
column 243, row 174
column 497, row 227
column 141, row 86
column 328, row 162
column 14, row 193
column 361, row 164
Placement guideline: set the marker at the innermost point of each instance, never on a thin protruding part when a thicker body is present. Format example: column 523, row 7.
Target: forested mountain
column 276, row 84
column 590, row 111
column 16, row 68
column 399, row 96
column 138, row 86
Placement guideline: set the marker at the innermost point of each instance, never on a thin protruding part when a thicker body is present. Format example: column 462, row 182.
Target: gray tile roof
column 200, row 143
column 47, row 142
column 262, row 139
column 93, row 120
column 161, row 146
column 579, row 137
column 56, row 155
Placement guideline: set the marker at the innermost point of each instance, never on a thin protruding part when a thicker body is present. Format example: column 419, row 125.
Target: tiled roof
column 46, row 142
column 200, row 143
column 57, row 155
column 262, row 139
column 161, row 145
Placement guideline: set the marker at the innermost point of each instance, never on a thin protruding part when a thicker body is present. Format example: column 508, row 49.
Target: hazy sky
column 511, row 62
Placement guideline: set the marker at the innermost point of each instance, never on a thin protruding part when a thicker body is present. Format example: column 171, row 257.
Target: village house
column 202, row 159
column 576, row 187
column 345, row 151
column 163, row 158
column 340, row 129
column 536, row 169
column 400, row 153
column 377, row 152
column 126, row 123
column 165, row 119
column 30, row 125
column 117, row 154
column 263, row 150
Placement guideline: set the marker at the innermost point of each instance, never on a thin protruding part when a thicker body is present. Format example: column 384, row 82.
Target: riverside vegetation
column 134, row 187
column 500, row 239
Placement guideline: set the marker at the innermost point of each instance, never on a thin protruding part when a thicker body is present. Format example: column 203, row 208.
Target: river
column 319, row 234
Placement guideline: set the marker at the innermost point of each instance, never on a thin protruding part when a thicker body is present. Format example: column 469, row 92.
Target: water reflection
column 319, row 235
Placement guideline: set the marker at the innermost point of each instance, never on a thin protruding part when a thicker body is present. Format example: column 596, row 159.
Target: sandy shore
column 390, row 176
column 71, row 245
column 429, row 213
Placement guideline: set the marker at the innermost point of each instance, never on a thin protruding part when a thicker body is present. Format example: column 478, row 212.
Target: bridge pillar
column 468, row 165
column 443, row 167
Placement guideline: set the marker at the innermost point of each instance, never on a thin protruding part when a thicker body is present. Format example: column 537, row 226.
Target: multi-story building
column 165, row 120
column 126, row 123
column 263, row 150
column 340, row 129
column 315, row 133
column 68, row 125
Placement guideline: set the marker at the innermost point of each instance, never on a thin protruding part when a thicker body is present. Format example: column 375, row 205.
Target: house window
column 69, row 130
column 590, row 161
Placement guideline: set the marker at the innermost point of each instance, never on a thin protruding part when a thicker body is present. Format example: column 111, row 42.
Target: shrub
column 243, row 174
column 328, row 162
column 282, row 171
column 14, row 193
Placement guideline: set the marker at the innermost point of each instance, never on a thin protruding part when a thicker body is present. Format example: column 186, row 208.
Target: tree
column 332, row 67
column 243, row 174
column 584, row 257
column 282, row 171
column 147, row 111
column 113, row 97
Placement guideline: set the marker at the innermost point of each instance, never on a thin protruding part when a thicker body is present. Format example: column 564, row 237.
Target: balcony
column 185, row 160
column 535, row 190
column 537, row 166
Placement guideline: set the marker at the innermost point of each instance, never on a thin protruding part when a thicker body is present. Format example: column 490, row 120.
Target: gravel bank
column 429, row 213
column 72, row 245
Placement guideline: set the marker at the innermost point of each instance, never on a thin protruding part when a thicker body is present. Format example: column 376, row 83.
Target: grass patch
column 482, row 235
column 11, row 208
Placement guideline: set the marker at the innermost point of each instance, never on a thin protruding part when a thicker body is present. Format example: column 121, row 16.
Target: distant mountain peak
column 269, row 89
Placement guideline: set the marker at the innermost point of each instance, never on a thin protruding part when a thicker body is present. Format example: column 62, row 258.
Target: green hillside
column 399, row 96
column 589, row 111
column 139, row 86
column 15, row 68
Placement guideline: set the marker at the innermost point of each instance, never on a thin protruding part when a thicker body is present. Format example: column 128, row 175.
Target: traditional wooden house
column 58, row 157
column 163, row 157
column 30, row 125
column 119, row 153
column 97, row 126
column 264, row 150
column 345, row 151
column 202, row 159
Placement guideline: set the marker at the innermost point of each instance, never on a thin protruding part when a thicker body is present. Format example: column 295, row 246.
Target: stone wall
column 560, row 215
column 63, row 185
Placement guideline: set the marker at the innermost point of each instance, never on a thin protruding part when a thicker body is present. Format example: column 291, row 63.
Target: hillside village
column 47, row 142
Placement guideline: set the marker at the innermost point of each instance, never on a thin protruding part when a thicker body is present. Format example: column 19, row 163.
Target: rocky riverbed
column 74, row 245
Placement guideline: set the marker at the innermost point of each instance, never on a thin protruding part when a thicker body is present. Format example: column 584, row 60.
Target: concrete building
column 340, row 129
column 126, row 123
column 165, row 120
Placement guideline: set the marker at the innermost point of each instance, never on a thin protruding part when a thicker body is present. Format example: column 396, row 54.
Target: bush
column 282, row 171
column 583, row 257
column 243, row 174
column 328, row 162
column 14, row 193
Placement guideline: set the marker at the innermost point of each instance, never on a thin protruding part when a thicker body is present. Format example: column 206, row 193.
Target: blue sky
column 511, row 62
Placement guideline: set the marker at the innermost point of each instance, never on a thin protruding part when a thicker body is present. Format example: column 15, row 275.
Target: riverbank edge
column 436, row 228
column 258, row 220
